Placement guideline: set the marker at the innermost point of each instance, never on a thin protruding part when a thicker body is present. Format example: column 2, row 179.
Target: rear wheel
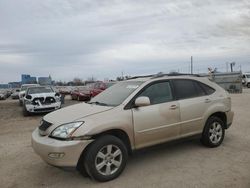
column 213, row 133
column 248, row 85
column 105, row 158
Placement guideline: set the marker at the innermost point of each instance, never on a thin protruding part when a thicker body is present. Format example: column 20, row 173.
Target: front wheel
column 213, row 133
column 25, row 111
column 248, row 85
column 105, row 158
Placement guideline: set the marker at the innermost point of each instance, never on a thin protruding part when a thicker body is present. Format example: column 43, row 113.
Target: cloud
column 67, row 38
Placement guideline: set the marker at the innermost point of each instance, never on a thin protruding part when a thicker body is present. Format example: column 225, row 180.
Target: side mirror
column 57, row 94
column 142, row 101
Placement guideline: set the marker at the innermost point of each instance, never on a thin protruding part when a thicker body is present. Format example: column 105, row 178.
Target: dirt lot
column 182, row 164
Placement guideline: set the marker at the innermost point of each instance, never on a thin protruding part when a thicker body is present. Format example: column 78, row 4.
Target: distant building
column 4, row 86
column 15, row 84
column 27, row 79
column 45, row 80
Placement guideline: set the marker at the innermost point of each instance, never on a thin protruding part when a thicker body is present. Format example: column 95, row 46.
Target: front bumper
column 230, row 116
column 68, row 152
column 43, row 108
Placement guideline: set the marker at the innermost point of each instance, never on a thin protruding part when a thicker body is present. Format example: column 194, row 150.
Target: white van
column 246, row 79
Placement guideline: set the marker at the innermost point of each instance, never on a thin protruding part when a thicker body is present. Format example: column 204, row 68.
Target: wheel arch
column 221, row 115
column 121, row 134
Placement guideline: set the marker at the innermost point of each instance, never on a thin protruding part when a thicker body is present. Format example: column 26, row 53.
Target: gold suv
column 96, row 137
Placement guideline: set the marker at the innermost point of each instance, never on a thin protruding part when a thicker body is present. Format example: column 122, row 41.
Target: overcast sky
column 102, row 38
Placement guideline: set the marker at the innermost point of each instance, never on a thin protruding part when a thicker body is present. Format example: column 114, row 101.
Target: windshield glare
column 36, row 90
column 116, row 94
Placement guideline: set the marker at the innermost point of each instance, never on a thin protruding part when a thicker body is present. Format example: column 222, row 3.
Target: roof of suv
column 166, row 76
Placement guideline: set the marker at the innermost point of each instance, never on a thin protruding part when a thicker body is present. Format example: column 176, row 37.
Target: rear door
column 159, row 121
column 194, row 102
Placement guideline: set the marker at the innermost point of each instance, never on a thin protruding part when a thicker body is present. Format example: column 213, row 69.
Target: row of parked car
column 6, row 93
column 35, row 98
column 85, row 93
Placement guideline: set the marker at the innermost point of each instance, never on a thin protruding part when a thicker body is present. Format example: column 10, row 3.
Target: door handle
column 173, row 107
column 207, row 100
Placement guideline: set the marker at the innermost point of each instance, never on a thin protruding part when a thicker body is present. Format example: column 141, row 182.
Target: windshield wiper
column 98, row 103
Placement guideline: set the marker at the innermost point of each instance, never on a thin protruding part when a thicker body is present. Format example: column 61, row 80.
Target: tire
column 109, row 153
column 25, row 112
column 20, row 103
column 214, row 132
column 248, row 85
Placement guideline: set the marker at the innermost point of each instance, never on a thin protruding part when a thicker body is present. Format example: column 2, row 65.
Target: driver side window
column 158, row 93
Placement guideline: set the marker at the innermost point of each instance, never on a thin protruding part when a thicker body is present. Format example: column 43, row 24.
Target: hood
column 74, row 112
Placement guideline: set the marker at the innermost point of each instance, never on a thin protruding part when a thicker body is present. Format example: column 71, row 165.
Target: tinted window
column 185, row 89
column 199, row 90
column 207, row 88
column 158, row 93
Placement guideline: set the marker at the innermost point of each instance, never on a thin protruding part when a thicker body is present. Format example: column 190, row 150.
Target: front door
column 159, row 121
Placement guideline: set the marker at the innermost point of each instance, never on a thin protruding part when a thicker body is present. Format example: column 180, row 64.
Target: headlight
column 58, row 99
column 27, row 102
column 66, row 130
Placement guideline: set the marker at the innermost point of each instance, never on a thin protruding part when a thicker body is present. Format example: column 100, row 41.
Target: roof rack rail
column 158, row 75
column 144, row 76
column 175, row 74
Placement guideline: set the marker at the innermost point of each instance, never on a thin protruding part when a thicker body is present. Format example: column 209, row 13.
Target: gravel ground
column 184, row 163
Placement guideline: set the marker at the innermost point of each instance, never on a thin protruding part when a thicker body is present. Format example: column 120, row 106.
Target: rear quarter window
column 209, row 90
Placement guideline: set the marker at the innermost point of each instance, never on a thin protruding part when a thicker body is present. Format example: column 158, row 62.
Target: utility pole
column 191, row 64
column 232, row 65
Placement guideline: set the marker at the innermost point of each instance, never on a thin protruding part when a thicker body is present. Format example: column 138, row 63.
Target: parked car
column 41, row 99
column 81, row 94
column 24, row 87
column 15, row 94
column 3, row 94
column 100, row 87
column 246, row 79
column 97, row 137
column 65, row 90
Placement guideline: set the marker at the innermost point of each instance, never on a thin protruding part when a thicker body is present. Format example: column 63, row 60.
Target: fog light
column 56, row 155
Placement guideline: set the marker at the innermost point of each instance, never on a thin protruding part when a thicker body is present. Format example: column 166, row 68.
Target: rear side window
column 199, row 90
column 158, row 93
column 207, row 88
column 185, row 89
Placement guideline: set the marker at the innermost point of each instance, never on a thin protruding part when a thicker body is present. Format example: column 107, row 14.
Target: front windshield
column 115, row 95
column 24, row 88
column 35, row 90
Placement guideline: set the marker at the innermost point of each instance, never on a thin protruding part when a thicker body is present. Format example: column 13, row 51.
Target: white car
column 246, row 79
column 40, row 99
column 21, row 94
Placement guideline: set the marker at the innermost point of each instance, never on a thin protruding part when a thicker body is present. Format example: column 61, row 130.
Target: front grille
column 47, row 100
column 44, row 109
column 45, row 125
